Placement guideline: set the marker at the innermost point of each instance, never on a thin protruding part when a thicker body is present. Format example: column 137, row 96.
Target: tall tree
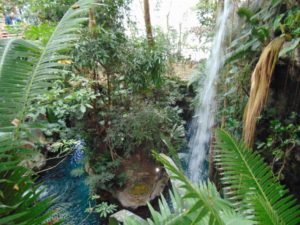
column 148, row 23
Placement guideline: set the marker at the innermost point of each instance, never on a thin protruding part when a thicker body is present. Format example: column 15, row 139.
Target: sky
column 180, row 12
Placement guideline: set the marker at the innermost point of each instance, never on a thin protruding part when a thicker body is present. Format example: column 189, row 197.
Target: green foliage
column 19, row 197
column 33, row 74
column 289, row 22
column 196, row 204
column 41, row 32
column 26, row 70
column 246, row 13
column 290, row 48
column 280, row 138
column 128, row 61
column 259, row 27
column 251, row 185
column 63, row 146
column 49, row 10
column 252, row 194
column 107, row 173
column 272, row 18
column 67, row 98
column 104, row 209
column 142, row 126
column 206, row 13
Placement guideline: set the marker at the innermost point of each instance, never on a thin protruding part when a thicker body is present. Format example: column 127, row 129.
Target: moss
column 139, row 189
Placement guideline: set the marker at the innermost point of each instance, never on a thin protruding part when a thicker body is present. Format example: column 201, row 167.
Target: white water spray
column 204, row 114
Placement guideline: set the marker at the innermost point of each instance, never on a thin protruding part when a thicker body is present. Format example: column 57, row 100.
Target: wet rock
column 146, row 180
column 120, row 216
column 141, row 192
column 36, row 162
column 88, row 169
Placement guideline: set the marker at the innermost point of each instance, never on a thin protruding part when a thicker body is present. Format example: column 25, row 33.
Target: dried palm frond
column 260, row 84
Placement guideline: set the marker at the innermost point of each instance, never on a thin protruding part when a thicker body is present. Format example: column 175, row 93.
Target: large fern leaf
column 17, row 59
column 26, row 70
column 252, row 185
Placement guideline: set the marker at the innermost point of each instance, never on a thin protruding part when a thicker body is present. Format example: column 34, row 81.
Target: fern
column 196, row 204
column 252, row 185
column 26, row 70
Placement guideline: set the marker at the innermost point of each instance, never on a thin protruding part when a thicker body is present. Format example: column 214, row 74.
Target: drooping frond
column 252, row 185
column 260, row 84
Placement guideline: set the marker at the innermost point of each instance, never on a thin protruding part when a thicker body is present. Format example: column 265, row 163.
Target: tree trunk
column 148, row 23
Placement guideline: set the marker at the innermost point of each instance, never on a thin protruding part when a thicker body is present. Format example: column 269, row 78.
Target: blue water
column 71, row 193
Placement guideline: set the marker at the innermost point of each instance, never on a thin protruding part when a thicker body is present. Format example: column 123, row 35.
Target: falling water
column 204, row 114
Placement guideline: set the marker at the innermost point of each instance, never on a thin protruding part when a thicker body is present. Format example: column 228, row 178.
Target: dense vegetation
column 77, row 74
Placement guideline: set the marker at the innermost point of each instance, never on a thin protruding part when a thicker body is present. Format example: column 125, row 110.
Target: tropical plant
column 40, row 32
column 19, row 197
column 191, row 203
column 49, row 10
column 36, row 66
column 127, row 131
column 27, row 70
column 279, row 140
column 252, row 195
column 104, row 209
column 106, row 174
column 251, row 185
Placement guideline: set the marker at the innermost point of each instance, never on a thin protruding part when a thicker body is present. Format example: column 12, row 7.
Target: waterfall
column 203, row 119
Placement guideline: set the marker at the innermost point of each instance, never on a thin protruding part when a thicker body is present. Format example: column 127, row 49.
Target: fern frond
column 203, row 204
column 27, row 70
column 19, row 202
column 252, row 184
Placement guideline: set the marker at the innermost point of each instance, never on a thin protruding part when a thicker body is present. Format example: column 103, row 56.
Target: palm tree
column 252, row 193
column 27, row 70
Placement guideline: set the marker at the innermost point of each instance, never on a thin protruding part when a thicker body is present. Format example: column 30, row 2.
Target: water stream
column 71, row 194
column 206, row 106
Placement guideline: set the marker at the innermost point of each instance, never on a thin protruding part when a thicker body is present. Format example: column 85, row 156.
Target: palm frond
column 252, row 185
column 27, row 70
column 17, row 59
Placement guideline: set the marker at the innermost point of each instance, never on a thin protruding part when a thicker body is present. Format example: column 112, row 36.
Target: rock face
column 36, row 162
column 146, row 180
column 128, row 199
column 139, row 193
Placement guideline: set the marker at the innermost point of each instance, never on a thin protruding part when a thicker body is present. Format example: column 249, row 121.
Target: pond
column 71, row 194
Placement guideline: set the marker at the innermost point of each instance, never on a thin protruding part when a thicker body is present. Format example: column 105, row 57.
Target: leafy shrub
column 278, row 140
column 41, row 32
column 105, row 174
column 141, row 129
